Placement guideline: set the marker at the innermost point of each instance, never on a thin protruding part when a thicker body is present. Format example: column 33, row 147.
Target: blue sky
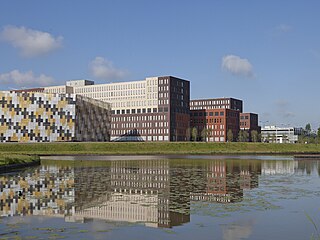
column 266, row 53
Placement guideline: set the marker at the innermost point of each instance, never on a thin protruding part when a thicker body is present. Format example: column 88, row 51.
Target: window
column 210, row 114
column 216, row 113
column 133, row 111
column 221, row 113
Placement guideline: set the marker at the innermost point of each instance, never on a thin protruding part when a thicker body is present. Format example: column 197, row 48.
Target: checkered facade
column 41, row 117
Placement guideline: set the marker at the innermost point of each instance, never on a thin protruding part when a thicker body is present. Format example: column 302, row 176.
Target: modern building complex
column 41, row 117
column 280, row 134
column 154, row 109
column 213, row 118
column 157, row 109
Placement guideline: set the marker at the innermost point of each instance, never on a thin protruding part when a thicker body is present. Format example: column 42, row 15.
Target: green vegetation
column 157, row 148
column 8, row 159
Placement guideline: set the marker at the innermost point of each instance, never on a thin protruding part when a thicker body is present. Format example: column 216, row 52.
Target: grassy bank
column 9, row 159
column 157, row 148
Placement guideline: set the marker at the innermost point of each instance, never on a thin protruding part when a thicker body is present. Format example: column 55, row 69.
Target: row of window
column 140, row 171
column 163, row 81
column 145, row 131
column 211, row 120
column 200, row 114
column 209, row 102
column 147, row 138
column 140, row 110
column 163, row 88
column 134, row 125
column 111, row 87
column 139, row 103
column 138, row 118
column 209, row 107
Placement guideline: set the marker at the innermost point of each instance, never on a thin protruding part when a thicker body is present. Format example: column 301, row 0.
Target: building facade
column 249, row 122
column 212, row 125
column 217, row 103
column 40, row 117
column 280, row 134
column 213, row 118
column 154, row 109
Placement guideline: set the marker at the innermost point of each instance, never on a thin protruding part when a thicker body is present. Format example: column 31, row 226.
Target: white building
column 280, row 134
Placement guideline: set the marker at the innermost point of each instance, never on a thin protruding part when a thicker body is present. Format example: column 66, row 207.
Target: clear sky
column 266, row 53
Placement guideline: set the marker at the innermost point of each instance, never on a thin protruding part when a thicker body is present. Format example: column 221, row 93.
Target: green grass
column 8, row 159
column 108, row 148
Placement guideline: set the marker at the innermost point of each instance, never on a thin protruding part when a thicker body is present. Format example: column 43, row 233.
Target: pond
column 193, row 197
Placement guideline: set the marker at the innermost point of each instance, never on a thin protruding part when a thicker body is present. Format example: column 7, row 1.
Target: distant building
column 217, row 103
column 40, row 117
column 280, row 134
column 213, row 124
column 249, row 123
column 213, row 118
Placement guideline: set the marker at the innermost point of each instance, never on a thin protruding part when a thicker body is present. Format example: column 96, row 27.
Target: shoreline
column 17, row 166
column 158, row 148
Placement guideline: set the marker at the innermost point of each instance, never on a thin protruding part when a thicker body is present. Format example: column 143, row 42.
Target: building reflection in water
column 40, row 191
column 158, row 193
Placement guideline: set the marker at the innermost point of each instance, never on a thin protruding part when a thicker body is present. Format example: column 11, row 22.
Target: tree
column 194, row 134
column 284, row 138
column 308, row 128
column 188, row 134
column 254, row 136
column 230, row 135
column 268, row 138
column 318, row 135
column 204, row 134
column 243, row 136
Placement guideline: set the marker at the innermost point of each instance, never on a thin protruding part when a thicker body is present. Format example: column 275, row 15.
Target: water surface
column 227, row 197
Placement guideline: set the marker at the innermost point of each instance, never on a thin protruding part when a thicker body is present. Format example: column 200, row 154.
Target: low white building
column 280, row 134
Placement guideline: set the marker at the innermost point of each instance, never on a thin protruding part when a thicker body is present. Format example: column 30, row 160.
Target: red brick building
column 216, row 123
column 249, row 122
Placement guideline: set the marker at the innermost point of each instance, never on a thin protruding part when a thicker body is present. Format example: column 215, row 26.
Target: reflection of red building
column 216, row 178
column 226, row 180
